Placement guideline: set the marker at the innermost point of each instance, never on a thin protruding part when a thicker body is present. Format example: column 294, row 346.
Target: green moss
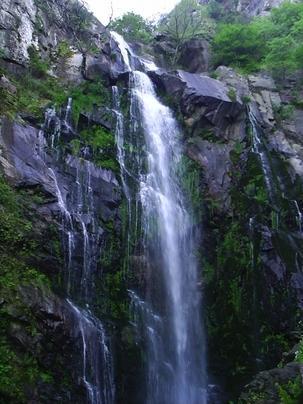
column 98, row 138
column 17, row 373
column 102, row 144
column 190, row 174
column 20, row 370
column 86, row 96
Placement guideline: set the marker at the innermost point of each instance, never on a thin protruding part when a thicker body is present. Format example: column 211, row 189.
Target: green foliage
column 34, row 94
column 283, row 112
column 16, row 243
column 246, row 99
column 35, row 90
column 38, row 66
column 292, row 392
column 299, row 353
column 232, row 94
column 133, row 27
column 102, row 143
column 99, row 138
column 63, row 54
column 86, row 96
column 273, row 42
column 234, row 250
column 17, row 372
column 190, row 174
column 239, row 45
column 256, row 189
column 186, row 21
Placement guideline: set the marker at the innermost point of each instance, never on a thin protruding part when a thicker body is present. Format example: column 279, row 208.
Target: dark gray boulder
column 264, row 389
column 214, row 158
column 194, row 56
column 204, row 102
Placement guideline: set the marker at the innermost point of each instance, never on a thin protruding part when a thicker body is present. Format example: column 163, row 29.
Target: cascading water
column 278, row 194
column 175, row 343
column 81, row 238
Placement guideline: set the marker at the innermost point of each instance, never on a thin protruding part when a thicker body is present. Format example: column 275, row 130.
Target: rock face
column 265, row 387
column 195, row 56
column 212, row 112
column 204, row 102
column 257, row 7
column 250, row 8
column 42, row 24
column 30, row 164
column 215, row 161
column 46, row 25
column 26, row 165
column 17, row 29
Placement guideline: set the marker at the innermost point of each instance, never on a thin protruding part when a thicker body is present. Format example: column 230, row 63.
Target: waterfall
column 260, row 150
column 97, row 362
column 170, row 321
column 81, row 239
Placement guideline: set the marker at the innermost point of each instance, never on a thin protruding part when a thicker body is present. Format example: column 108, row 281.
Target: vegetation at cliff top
column 186, row 21
column 133, row 27
column 274, row 42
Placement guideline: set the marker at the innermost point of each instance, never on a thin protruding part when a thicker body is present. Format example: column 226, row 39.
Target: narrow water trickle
column 81, row 241
column 171, row 323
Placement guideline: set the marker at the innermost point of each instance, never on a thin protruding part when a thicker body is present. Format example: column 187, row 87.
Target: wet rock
column 100, row 115
column 20, row 159
column 214, row 158
column 262, row 82
column 265, row 386
column 203, row 99
column 108, row 64
column 268, row 100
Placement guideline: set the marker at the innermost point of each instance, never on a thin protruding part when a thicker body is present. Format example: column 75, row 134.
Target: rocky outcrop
column 43, row 25
column 27, row 164
column 215, row 161
column 214, row 118
column 204, row 102
column 249, row 8
column 195, row 56
column 264, row 389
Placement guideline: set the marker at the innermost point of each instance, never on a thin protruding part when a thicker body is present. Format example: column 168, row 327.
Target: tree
column 273, row 42
column 133, row 27
column 187, row 20
column 239, row 45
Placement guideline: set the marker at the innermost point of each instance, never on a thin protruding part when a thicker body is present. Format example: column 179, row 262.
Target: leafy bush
column 232, row 94
column 102, row 144
column 133, row 27
column 273, row 42
column 239, row 45
column 38, row 66
column 186, row 21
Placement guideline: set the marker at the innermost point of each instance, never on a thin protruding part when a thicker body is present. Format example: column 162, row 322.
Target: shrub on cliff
column 273, row 42
column 133, row 27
